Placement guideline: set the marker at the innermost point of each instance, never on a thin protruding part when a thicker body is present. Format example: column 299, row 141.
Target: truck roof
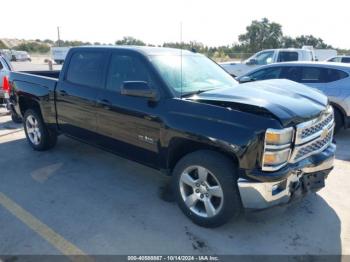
column 290, row 49
column 145, row 50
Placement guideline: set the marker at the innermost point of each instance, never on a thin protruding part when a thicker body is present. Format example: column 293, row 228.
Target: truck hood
column 289, row 102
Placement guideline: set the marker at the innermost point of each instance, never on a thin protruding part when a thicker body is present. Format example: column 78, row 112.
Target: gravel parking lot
column 79, row 199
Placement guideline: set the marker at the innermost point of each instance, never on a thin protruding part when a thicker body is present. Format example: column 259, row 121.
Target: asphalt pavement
column 77, row 199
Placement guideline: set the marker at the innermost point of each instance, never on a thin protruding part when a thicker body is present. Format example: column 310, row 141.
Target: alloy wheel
column 201, row 191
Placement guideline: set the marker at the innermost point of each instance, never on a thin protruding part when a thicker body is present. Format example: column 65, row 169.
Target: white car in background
column 269, row 56
column 20, row 56
column 59, row 54
column 340, row 59
column 325, row 54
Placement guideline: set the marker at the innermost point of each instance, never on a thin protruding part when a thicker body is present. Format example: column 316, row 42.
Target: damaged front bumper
column 294, row 181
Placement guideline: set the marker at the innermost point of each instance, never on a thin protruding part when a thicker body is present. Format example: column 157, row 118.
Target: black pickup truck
column 228, row 146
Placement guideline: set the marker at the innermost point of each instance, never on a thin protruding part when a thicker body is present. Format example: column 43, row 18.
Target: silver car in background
column 333, row 79
column 5, row 68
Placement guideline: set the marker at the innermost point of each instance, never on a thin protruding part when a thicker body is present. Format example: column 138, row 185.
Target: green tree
column 129, row 40
column 63, row 43
column 48, row 41
column 288, row 42
column 262, row 35
column 311, row 41
column 33, row 47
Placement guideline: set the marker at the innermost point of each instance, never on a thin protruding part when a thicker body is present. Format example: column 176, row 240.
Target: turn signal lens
column 279, row 136
column 272, row 138
column 276, row 158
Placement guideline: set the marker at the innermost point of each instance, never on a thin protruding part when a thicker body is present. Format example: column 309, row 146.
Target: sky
column 212, row 22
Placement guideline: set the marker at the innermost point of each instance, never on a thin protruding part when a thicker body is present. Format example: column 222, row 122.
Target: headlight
column 277, row 148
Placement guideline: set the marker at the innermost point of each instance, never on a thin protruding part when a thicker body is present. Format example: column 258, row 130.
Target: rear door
column 76, row 93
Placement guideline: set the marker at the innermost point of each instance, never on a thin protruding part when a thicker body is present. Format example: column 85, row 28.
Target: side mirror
column 138, row 88
column 252, row 62
column 245, row 79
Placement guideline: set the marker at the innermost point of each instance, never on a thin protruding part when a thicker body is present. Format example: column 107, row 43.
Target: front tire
column 338, row 118
column 38, row 135
column 205, row 187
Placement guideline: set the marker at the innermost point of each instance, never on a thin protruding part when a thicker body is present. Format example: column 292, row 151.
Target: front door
column 130, row 125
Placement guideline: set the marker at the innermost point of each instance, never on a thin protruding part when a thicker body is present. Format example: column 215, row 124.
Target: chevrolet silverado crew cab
column 228, row 146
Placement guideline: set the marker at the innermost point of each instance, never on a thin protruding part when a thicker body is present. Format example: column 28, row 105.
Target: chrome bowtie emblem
column 324, row 133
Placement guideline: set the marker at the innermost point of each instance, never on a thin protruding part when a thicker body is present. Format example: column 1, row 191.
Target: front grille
column 310, row 148
column 309, row 131
column 313, row 136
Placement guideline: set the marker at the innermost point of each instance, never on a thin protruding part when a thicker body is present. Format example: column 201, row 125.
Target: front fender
column 234, row 132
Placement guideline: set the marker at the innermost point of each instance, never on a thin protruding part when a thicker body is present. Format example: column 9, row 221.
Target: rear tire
column 212, row 201
column 38, row 135
column 16, row 118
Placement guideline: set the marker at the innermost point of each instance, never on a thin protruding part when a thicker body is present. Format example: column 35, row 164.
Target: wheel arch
column 180, row 147
column 26, row 103
column 341, row 110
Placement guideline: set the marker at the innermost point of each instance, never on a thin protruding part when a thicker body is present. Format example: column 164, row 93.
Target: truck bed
column 43, row 78
column 52, row 74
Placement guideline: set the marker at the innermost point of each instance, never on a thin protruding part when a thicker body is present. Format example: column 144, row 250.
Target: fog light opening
column 278, row 188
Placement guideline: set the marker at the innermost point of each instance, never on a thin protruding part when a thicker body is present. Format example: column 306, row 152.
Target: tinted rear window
column 313, row 75
column 87, row 68
column 335, row 75
column 321, row 75
column 287, row 56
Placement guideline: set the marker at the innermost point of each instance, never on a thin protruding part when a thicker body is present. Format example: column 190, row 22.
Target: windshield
column 199, row 73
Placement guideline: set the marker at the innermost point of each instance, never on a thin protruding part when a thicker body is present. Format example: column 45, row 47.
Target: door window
column 125, row 68
column 313, row 75
column 264, row 58
column 267, row 73
column 286, row 56
column 87, row 68
column 335, row 59
column 291, row 73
